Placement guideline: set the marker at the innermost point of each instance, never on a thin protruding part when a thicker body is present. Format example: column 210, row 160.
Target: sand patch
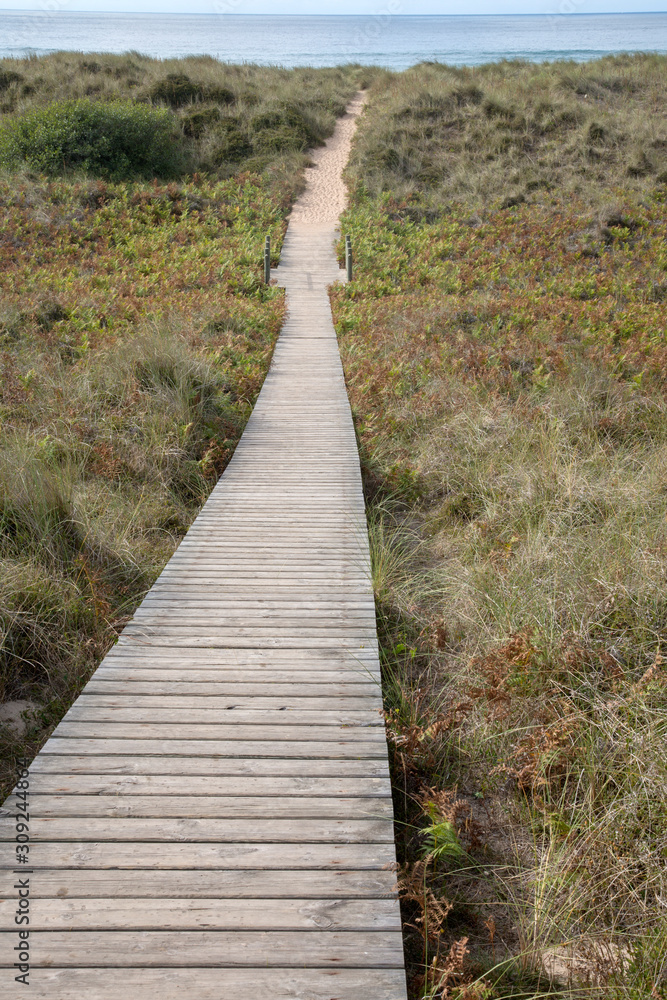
column 325, row 196
column 11, row 716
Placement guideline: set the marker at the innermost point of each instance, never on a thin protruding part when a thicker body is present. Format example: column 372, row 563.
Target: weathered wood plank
column 281, row 715
column 210, row 641
column 249, row 831
column 149, row 666
column 71, row 883
column 213, row 984
column 175, row 855
column 104, row 914
column 256, row 749
column 102, row 785
column 251, row 674
column 208, row 766
column 208, row 806
column 315, row 660
column 215, row 949
column 288, row 733
column 247, row 706
column 193, row 629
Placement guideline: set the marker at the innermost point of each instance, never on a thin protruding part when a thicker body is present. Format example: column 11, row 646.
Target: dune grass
column 130, row 115
column 135, row 330
column 134, row 336
column 504, row 349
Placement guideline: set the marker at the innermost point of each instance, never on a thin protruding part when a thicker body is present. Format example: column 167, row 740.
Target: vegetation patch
column 504, row 350
column 135, row 332
column 116, row 140
column 123, row 117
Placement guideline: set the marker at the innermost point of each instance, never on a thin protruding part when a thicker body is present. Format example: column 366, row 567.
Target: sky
column 362, row 7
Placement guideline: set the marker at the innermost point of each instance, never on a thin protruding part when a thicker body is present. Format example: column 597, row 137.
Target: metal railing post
column 267, row 261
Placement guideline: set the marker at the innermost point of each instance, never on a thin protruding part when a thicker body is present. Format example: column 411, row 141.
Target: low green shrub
column 230, row 143
column 196, row 123
column 177, row 90
column 8, row 77
column 283, row 128
column 116, row 139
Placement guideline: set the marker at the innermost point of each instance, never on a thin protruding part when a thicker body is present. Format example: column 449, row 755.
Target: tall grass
column 135, row 330
column 120, row 116
column 508, row 131
column 503, row 344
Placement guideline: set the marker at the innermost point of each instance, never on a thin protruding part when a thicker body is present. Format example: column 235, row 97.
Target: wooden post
column 348, row 256
column 267, row 261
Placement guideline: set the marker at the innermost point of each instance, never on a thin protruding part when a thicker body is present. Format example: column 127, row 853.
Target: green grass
column 504, row 350
column 135, row 336
column 135, row 330
column 115, row 139
column 512, row 131
column 129, row 115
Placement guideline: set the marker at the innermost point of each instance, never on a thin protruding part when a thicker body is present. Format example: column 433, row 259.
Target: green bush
column 118, row 139
column 177, row 89
column 8, row 77
column 282, row 128
column 196, row 123
column 231, row 144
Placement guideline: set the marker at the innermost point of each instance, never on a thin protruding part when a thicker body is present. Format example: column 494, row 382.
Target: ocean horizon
column 392, row 40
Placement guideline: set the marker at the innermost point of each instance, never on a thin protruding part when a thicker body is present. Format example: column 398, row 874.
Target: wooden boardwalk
column 212, row 820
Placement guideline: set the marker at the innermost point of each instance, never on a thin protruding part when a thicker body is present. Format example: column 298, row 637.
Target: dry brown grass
column 512, row 131
column 505, row 359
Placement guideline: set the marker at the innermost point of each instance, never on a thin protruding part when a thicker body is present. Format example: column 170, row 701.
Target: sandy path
column 325, row 196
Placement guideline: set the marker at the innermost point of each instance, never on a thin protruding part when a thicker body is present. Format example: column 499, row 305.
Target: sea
column 381, row 39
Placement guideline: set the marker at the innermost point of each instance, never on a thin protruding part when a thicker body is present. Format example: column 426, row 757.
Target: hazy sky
column 364, row 7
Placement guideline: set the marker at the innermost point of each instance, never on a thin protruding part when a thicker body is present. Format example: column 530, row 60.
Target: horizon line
column 184, row 13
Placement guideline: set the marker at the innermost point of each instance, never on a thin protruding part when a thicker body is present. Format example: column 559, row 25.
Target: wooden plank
column 246, row 612
column 248, row 831
column 204, row 623
column 254, row 705
column 196, row 628
column 282, row 715
column 144, row 855
column 314, row 660
column 164, row 683
column 210, row 641
column 198, row 785
column 362, row 666
column 257, row 605
column 256, row 749
column 196, row 883
column 104, row 914
column 213, row 984
column 288, row 733
column 215, row 949
column 207, row 806
column 311, row 658
column 252, row 674
column 210, row 767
